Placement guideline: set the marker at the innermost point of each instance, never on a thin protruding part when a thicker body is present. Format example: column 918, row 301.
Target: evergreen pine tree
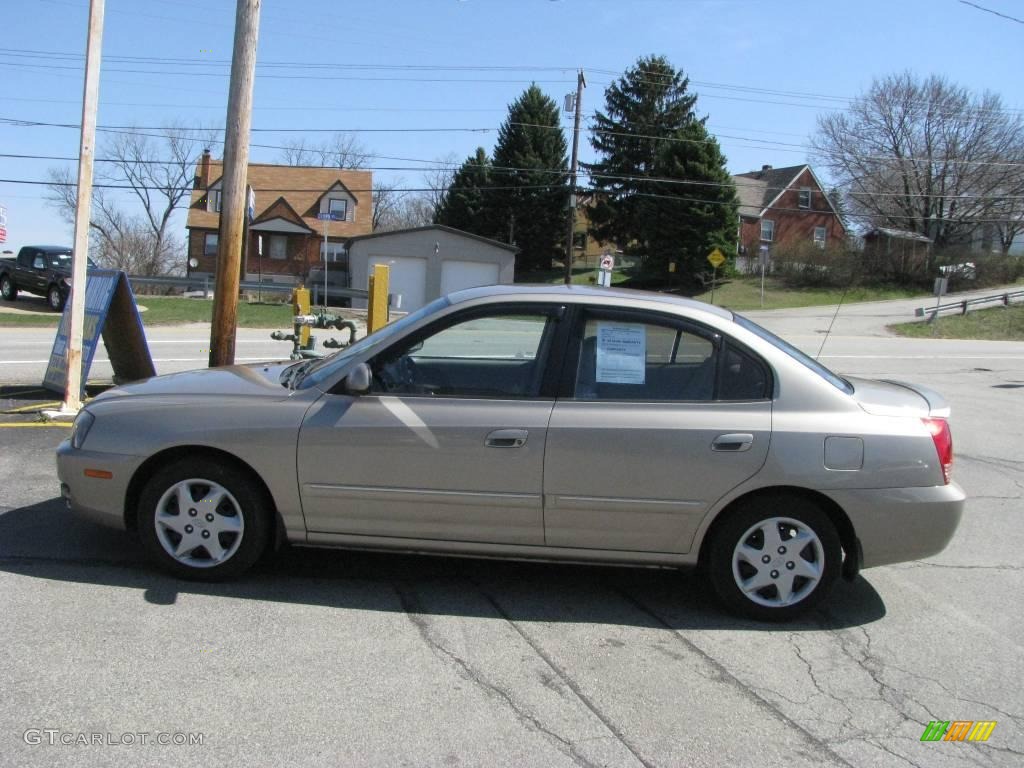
column 463, row 205
column 649, row 128
column 529, row 180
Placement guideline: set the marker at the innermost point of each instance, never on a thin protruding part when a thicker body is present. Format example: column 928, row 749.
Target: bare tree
column 342, row 150
column 154, row 173
column 437, row 180
column 925, row 156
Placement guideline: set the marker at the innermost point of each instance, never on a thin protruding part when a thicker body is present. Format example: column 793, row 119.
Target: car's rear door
column 657, row 418
column 449, row 444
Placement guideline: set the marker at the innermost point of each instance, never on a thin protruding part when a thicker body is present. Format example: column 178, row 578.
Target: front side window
column 496, row 355
column 767, row 230
column 805, row 198
column 334, row 252
column 820, row 234
column 643, row 361
column 210, row 244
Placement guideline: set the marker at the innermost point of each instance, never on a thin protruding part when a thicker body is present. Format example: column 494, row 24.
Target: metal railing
column 206, row 284
column 963, row 307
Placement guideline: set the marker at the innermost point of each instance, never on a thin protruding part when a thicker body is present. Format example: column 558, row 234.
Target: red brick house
column 288, row 200
column 785, row 206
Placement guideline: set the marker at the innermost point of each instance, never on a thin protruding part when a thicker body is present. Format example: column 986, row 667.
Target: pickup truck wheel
column 8, row 289
column 55, row 298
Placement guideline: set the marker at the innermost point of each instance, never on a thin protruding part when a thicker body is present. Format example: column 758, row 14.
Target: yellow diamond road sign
column 717, row 258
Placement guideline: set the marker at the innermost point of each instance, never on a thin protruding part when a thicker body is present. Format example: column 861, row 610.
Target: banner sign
column 110, row 312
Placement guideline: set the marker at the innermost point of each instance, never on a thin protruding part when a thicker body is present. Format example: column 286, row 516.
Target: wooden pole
column 233, row 187
column 83, row 208
column 581, row 83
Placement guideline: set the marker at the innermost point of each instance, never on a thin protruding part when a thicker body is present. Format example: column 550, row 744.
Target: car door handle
column 737, row 441
column 507, row 438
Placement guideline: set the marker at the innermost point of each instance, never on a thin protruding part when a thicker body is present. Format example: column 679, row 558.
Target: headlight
column 83, row 423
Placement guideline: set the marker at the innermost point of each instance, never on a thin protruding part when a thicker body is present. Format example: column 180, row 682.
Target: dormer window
column 338, row 208
column 213, row 200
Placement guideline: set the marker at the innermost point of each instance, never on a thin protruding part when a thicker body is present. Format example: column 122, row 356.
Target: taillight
column 943, row 439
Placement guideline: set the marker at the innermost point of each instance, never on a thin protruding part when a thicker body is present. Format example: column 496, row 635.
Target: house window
column 334, row 252
column 767, row 230
column 213, row 200
column 805, row 198
column 210, row 244
column 820, row 233
column 278, row 247
column 337, row 207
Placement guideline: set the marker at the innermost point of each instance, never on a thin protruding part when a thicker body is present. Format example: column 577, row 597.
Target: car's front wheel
column 203, row 520
column 8, row 289
column 774, row 557
column 55, row 298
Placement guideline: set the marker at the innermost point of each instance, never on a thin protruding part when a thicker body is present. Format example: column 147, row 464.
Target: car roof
column 586, row 293
column 52, row 248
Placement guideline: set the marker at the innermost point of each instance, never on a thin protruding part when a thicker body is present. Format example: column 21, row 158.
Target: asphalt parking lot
column 335, row 658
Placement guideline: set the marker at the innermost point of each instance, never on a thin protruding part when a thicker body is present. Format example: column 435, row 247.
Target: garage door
column 407, row 277
column 456, row 275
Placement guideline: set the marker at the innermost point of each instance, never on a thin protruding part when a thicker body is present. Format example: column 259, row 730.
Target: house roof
column 436, row 227
column 898, row 234
column 757, row 190
column 301, row 187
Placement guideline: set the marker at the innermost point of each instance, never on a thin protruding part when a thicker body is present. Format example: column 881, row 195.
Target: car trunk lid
column 898, row 398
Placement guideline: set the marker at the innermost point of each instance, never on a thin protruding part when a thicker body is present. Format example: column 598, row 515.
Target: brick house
column 785, row 206
column 285, row 224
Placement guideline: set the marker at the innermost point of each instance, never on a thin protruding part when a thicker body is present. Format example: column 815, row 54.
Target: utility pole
column 233, row 188
column 83, row 208
column 581, row 83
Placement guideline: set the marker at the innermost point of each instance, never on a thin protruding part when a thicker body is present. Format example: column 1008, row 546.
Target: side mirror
column 358, row 380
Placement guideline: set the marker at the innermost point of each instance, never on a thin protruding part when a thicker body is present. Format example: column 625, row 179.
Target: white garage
column 427, row 262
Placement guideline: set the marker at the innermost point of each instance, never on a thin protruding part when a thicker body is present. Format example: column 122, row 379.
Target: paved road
column 331, row 658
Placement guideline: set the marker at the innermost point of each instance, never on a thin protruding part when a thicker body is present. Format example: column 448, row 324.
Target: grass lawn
column 170, row 311
column 995, row 324
column 745, row 293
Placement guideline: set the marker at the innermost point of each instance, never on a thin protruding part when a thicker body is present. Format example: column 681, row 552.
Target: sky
column 423, row 79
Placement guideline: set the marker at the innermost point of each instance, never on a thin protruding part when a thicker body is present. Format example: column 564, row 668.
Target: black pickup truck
column 44, row 270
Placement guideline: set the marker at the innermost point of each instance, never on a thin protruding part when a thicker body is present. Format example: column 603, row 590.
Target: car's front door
column 448, row 444
column 658, row 420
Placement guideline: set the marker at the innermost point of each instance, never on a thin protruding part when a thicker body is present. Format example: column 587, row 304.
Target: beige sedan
column 533, row 422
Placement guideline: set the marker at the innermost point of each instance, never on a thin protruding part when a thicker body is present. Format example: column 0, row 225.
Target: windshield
column 63, row 260
column 835, row 380
column 325, row 368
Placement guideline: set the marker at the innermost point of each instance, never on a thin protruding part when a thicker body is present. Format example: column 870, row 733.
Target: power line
column 994, row 13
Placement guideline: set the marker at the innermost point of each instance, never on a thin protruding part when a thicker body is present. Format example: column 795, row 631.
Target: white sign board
column 608, row 262
column 621, row 353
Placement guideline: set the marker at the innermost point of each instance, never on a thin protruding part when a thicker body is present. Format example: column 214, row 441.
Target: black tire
column 8, row 290
column 55, row 298
column 245, row 499
column 790, row 513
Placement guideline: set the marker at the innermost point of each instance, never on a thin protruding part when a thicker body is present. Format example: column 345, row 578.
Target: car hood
column 897, row 398
column 261, row 380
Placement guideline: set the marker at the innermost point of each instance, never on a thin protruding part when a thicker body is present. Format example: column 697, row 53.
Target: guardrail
column 968, row 304
column 206, row 284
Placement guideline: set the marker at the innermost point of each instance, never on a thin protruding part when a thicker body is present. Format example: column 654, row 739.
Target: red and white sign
column 3, row 224
column 608, row 262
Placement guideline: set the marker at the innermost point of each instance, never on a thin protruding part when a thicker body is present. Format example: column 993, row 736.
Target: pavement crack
column 923, row 564
column 732, row 680
column 412, row 609
column 566, row 679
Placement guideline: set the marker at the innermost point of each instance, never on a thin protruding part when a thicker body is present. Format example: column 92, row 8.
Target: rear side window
column 643, row 361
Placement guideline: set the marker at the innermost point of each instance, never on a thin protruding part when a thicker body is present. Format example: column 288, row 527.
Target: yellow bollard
column 300, row 306
column 377, row 316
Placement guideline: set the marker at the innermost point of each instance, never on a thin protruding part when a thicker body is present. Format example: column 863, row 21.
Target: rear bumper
column 894, row 525
column 99, row 500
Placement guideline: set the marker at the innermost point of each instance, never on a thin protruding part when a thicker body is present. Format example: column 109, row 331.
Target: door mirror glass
column 358, row 380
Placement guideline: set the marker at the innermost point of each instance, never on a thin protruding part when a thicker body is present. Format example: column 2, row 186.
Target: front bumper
column 99, row 500
column 899, row 524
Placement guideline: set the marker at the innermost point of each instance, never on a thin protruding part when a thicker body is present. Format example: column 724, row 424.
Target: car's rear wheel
column 203, row 520
column 55, row 298
column 774, row 557
column 8, row 289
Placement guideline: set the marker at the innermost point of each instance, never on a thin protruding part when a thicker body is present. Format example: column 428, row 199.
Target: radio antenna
column 834, row 316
